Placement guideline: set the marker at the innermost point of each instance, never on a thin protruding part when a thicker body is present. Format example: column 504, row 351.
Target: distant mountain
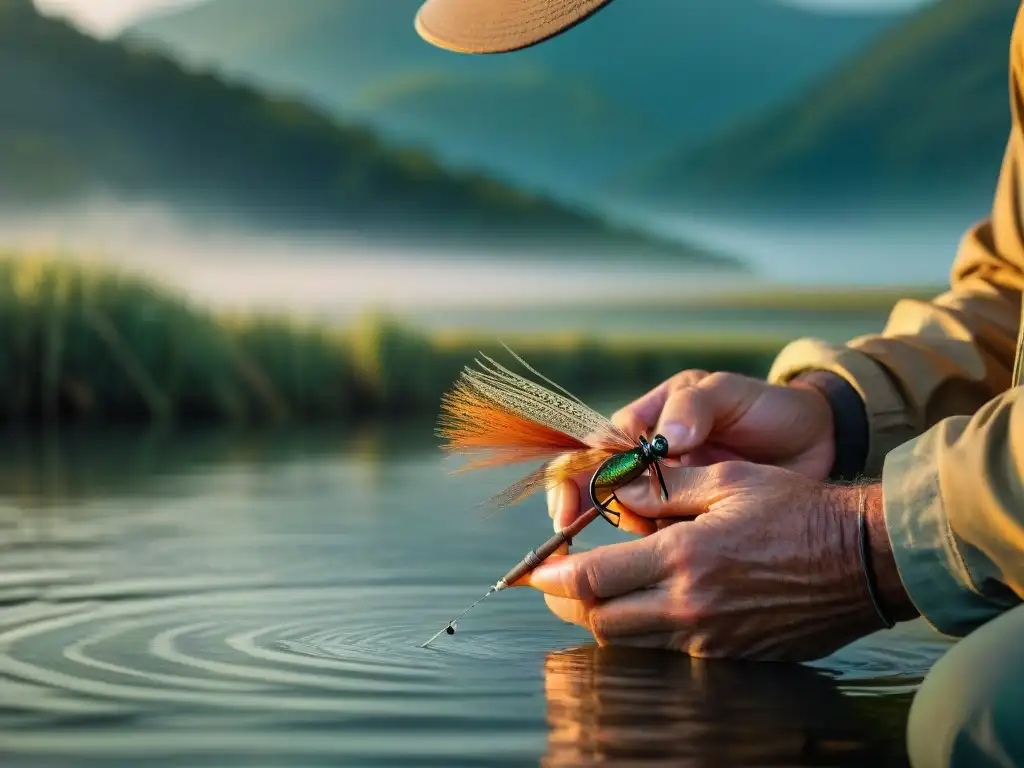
column 80, row 117
column 627, row 86
column 923, row 112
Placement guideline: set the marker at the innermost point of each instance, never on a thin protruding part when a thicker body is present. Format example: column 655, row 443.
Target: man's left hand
column 769, row 570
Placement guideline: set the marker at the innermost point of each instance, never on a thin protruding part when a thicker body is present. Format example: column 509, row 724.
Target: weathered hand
column 770, row 570
column 716, row 417
column 713, row 417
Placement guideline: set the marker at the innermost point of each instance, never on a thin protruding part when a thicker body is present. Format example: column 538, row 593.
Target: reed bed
column 82, row 342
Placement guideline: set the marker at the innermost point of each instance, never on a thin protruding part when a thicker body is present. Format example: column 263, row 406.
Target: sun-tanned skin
column 770, row 570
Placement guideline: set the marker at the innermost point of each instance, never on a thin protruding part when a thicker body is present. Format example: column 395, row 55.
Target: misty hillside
column 924, row 111
column 80, row 117
column 630, row 84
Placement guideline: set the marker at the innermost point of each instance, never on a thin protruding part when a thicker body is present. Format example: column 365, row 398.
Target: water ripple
column 249, row 623
column 291, row 654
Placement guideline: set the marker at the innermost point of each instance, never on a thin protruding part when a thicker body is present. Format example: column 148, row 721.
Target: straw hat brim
column 499, row 26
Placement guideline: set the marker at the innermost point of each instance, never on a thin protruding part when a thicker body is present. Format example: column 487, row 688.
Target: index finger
column 643, row 414
column 608, row 571
column 572, row 499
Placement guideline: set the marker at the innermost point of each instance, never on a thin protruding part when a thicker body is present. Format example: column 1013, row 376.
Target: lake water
column 232, row 599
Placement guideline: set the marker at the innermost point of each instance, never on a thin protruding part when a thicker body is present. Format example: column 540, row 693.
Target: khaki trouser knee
column 969, row 712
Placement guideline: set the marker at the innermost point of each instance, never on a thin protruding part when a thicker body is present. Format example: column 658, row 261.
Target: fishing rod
column 525, row 566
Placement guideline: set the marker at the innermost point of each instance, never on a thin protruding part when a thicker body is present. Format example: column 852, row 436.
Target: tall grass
column 83, row 342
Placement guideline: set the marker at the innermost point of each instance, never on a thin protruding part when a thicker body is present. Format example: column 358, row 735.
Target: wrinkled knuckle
column 688, row 395
column 728, row 472
column 688, row 378
column 672, row 553
column 683, row 610
column 585, row 581
column 718, row 379
column 680, row 556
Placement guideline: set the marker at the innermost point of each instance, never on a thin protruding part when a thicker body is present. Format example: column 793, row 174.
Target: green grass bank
column 87, row 343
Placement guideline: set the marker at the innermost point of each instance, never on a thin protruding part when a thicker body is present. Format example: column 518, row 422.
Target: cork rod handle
column 537, row 556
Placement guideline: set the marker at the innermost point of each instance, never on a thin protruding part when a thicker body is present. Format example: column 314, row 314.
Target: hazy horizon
column 330, row 274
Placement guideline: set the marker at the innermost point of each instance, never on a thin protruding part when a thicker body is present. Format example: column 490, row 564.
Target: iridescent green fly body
column 622, row 469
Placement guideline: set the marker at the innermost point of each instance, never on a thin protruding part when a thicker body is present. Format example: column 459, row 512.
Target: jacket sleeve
column 943, row 430
column 954, row 511
column 950, row 355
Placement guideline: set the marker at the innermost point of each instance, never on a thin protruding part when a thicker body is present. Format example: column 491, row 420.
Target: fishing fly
column 501, row 417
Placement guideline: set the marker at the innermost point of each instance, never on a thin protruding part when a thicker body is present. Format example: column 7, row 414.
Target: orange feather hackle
column 503, row 418
column 474, row 423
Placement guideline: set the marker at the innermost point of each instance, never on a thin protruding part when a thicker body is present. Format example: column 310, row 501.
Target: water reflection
column 623, row 707
column 73, row 465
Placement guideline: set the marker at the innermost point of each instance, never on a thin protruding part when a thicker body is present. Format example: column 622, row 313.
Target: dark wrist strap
column 849, row 423
column 865, row 561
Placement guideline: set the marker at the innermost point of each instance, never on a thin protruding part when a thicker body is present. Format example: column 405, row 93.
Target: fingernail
column 677, row 435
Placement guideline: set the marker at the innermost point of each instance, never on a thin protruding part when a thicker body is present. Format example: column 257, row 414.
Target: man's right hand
column 713, row 417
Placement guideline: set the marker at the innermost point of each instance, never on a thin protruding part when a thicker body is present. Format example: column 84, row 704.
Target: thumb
column 691, row 492
column 691, row 413
column 686, row 419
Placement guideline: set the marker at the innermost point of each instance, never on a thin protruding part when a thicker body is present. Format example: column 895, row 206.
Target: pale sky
column 107, row 17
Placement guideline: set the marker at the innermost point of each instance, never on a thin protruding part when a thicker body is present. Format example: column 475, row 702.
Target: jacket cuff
column 889, row 419
column 930, row 564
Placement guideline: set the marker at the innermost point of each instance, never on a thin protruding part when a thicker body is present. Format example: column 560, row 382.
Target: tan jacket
column 946, row 429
